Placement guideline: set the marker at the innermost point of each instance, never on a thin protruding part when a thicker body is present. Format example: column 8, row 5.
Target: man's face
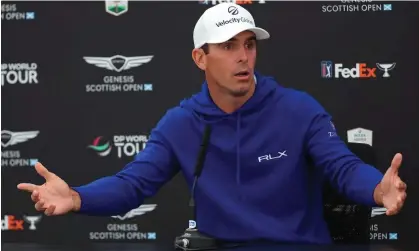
column 231, row 64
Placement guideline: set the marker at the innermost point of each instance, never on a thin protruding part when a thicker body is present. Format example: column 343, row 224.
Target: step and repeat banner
column 84, row 83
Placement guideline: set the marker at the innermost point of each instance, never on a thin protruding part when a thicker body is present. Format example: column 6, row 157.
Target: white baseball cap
column 222, row 22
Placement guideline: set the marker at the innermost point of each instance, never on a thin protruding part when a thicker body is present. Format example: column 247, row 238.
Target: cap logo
column 233, row 10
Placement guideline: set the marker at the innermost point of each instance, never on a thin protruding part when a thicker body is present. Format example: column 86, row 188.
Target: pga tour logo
column 359, row 70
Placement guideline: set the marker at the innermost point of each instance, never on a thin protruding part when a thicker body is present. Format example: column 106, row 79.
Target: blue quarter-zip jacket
column 257, row 182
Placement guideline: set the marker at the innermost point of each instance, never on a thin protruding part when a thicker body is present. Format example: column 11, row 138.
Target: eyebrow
column 248, row 39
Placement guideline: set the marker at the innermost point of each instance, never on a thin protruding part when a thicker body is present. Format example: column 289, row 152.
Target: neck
column 225, row 101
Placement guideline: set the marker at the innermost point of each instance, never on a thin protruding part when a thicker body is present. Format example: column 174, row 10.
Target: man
column 256, row 182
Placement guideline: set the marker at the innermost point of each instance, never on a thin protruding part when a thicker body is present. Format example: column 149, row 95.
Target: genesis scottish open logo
column 10, row 12
column 123, row 227
column 9, row 138
column 118, row 83
column 13, row 157
column 356, row 6
column 378, row 233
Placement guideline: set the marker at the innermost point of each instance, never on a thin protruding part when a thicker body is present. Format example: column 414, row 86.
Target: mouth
column 242, row 74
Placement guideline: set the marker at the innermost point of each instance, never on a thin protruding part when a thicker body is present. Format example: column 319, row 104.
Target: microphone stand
column 192, row 239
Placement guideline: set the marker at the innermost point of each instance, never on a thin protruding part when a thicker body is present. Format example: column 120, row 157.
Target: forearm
column 106, row 196
column 348, row 174
column 151, row 168
column 360, row 183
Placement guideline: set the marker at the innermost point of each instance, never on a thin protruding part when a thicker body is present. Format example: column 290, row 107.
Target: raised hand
column 393, row 189
column 54, row 197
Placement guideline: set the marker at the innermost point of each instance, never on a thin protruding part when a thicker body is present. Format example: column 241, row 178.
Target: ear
column 200, row 59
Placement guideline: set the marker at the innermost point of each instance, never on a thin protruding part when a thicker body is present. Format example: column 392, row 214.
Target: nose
column 242, row 56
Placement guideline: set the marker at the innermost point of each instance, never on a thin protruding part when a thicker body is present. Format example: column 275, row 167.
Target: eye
column 250, row 45
column 227, row 46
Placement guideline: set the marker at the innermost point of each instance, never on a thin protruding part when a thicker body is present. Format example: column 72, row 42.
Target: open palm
column 54, row 196
column 393, row 189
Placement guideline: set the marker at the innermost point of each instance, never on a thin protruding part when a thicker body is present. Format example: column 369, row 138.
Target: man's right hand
column 54, row 197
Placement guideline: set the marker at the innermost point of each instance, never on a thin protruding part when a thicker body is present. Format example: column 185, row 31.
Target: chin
column 240, row 92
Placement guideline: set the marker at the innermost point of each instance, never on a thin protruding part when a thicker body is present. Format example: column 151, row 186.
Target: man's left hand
column 391, row 192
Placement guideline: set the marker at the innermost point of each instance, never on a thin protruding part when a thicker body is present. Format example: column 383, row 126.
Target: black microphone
column 192, row 239
column 200, row 163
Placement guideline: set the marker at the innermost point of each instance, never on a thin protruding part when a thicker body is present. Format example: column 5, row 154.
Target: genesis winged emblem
column 118, row 63
column 9, row 138
column 378, row 211
column 143, row 209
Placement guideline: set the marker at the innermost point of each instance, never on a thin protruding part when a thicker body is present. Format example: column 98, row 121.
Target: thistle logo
column 116, row 8
column 101, row 149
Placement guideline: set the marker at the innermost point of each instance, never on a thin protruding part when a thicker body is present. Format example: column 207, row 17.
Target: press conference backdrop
column 83, row 84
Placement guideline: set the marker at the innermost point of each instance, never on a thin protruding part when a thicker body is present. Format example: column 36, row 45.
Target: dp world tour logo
column 101, row 147
column 124, row 145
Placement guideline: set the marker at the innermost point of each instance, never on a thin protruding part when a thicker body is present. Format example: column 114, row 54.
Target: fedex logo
column 360, row 70
column 10, row 223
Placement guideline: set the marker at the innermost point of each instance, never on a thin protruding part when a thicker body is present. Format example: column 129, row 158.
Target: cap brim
column 260, row 34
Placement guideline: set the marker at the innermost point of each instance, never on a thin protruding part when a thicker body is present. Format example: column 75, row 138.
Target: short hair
column 205, row 48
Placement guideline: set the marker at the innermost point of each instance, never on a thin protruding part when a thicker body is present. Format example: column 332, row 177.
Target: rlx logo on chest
column 273, row 156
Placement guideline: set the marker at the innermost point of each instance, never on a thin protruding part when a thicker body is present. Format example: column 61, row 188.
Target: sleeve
column 155, row 165
column 347, row 173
